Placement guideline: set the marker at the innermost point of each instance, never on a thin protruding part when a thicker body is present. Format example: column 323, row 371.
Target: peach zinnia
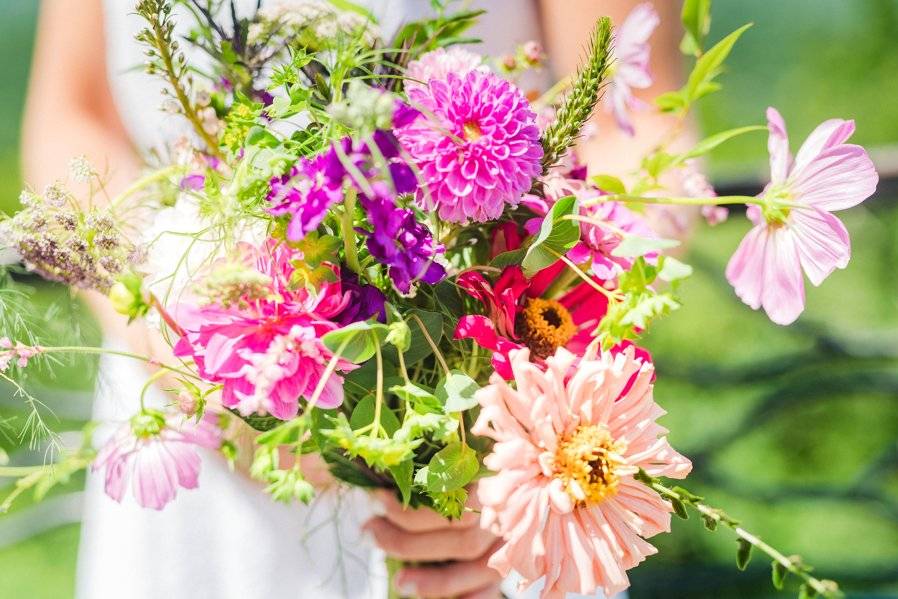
column 569, row 439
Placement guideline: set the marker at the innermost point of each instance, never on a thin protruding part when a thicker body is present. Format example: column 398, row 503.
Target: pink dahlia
column 794, row 225
column 569, row 439
column 157, row 456
column 630, row 69
column 266, row 350
column 438, row 63
column 476, row 146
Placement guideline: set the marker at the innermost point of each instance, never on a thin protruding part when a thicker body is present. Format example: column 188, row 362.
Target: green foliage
column 456, row 392
column 557, row 234
column 701, row 80
column 578, row 105
column 696, row 19
column 450, row 469
column 358, row 341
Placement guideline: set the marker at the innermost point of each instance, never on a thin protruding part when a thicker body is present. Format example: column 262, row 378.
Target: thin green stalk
column 350, row 251
column 682, row 498
column 144, row 181
column 433, row 345
column 379, row 390
column 683, row 201
column 76, row 349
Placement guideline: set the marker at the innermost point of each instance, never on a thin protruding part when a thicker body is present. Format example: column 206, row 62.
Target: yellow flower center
column 587, row 463
column 544, row 326
column 472, row 131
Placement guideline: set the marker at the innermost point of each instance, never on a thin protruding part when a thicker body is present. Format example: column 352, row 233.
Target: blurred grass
column 795, row 464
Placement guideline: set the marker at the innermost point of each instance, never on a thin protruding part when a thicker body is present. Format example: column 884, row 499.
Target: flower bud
column 127, row 296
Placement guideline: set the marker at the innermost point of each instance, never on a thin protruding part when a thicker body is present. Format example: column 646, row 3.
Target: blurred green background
column 794, row 430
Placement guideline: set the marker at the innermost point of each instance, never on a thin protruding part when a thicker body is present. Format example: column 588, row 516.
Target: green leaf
column 743, row 554
column 510, row 258
column 421, row 399
column 778, row 575
column 452, row 468
column 655, row 164
column 363, row 415
column 709, row 65
column 632, row 246
column 647, row 309
column 609, row 184
column 402, row 475
column 679, row 508
column 696, row 18
column 358, row 341
column 805, row 591
column 670, row 101
column 709, row 143
column 456, row 392
column 4, row 457
column 556, row 236
column 673, row 270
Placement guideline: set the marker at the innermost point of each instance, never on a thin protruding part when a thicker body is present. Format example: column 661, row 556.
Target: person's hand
column 424, row 536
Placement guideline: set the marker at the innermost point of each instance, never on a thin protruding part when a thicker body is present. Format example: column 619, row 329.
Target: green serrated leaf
column 456, row 392
column 743, row 554
column 556, row 236
column 451, row 468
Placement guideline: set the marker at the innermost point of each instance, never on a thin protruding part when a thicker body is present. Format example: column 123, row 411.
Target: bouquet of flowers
column 386, row 253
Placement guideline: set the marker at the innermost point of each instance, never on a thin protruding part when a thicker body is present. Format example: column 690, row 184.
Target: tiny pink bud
column 509, row 62
column 533, row 52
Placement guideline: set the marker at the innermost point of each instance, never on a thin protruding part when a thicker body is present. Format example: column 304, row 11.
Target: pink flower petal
column 822, row 241
column 838, row 178
column 778, row 147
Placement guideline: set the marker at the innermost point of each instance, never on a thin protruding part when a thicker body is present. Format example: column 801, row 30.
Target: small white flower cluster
column 324, row 21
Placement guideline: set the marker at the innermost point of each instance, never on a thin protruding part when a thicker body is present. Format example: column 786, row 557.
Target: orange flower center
column 544, row 326
column 472, row 131
column 587, row 463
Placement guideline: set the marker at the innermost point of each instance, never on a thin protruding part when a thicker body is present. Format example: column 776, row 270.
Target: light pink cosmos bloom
column 569, row 438
column 157, row 456
column 630, row 69
column 438, row 63
column 795, row 229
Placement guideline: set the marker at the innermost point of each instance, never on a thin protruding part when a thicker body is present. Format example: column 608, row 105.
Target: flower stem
column 681, row 201
column 350, row 250
column 144, row 181
column 433, row 345
column 682, row 498
column 77, row 349
column 379, row 390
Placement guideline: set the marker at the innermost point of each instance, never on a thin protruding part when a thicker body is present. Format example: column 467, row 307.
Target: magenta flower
column 267, row 352
column 476, row 146
column 156, row 456
column 438, row 63
column 305, row 193
column 630, row 69
column 794, row 228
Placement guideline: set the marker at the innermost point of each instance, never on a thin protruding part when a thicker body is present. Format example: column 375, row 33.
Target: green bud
column 127, row 296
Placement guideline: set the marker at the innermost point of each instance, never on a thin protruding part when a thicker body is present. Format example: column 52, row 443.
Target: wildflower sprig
column 578, row 105
column 712, row 517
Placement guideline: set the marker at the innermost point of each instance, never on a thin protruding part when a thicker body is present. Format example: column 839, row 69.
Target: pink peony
column 476, row 146
column 569, row 439
column 630, row 69
column 267, row 352
column 794, row 228
column 438, row 63
column 156, row 457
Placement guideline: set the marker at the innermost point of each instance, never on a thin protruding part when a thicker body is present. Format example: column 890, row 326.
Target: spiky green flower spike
column 581, row 100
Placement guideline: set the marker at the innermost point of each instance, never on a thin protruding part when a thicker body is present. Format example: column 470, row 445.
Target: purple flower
column 363, row 301
column 402, row 243
column 478, row 148
column 306, row 193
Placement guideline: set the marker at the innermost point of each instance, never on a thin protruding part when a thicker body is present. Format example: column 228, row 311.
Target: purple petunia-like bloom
column 306, row 193
column 476, row 146
column 398, row 240
column 364, row 301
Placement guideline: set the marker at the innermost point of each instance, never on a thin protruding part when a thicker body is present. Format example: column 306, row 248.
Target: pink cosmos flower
column 476, row 146
column 438, row 63
column 630, row 69
column 569, row 439
column 794, row 228
column 268, row 351
column 157, row 456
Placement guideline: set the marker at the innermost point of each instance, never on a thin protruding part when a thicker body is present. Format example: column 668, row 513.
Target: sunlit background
column 795, row 430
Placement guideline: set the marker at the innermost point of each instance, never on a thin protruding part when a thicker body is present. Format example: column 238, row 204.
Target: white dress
column 227, row 539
